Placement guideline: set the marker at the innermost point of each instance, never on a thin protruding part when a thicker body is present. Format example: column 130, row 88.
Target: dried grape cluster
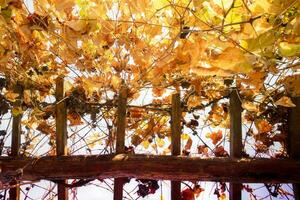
column 146, row 187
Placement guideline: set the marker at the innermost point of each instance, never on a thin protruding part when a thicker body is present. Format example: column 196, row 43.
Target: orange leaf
column 187, row 194
column 220, row 152
column 136, row 113
column 45, row 128
column 202, row 149
column 198, row 190
column 215, row 136
column 222, row 197
column 188, row 144
column 74, row 119
column 262, row 125
column 158, row 91
column 285, row 101
column 11, row 96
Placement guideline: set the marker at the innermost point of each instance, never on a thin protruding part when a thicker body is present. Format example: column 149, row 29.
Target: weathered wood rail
column 174, row 167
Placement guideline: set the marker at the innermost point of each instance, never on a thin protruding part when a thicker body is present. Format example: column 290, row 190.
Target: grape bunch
column 146, row 187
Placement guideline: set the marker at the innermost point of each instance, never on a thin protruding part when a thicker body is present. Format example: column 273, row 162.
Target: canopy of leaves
column 202, row 48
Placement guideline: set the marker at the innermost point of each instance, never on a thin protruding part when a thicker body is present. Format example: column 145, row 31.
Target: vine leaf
column 285, row 101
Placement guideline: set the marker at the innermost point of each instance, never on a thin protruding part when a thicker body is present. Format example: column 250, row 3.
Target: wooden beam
column 16, row 135
column 14, row 193
column 120, row 139
column 176, row 124
column 121, row 121
column 156, row 167
column 294, row 138
column 61, row 118
column 175, row 140
column 61, row 132
column 235, row 110
column 236, row 146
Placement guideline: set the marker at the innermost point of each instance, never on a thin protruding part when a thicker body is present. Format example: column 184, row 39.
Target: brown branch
column 79, row 183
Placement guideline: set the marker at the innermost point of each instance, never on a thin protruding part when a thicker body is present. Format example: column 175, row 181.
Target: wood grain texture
column 121, row 121
column 235, row 110
column 175, row 140
column 236, row 147
column 14, row 193
column 16, row 135
column 61, row 132
column 156, row 167
column 176, row 124
column 120, row 138
column 293, row 146
column 61, row 118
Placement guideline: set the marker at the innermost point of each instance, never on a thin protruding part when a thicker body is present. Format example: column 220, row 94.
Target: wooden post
column 294, row 138
column 14, row 193
column 236, row 146
column 120, row 139
column 121, row 121
column 61, row 132
column 175, row 140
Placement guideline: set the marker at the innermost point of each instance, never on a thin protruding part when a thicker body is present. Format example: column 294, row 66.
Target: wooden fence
column 176, row 168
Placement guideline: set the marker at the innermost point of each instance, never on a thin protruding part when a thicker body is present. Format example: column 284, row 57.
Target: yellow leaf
column 93, row 140
column 273, row 6
column 183, row 58
column 185, row 136
column 213, row 71
column 16, row 111
column 116, row 82
column 285, row 101
column 193, row 101
column 11, row 96
column 289, row 49
column 291, row 84
column 77, row 25
column 68, row 86
column 259, row 43
column 158, row 4
column 222, row 197
column 250, row 106
column 145, row 144
column 65, row 5
column 27, row 98
column 232, row 59
column 160, row 142
column 296, row 26
column 198, row 3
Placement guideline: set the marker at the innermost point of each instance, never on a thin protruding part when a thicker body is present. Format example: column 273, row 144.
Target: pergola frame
column 175, row 167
